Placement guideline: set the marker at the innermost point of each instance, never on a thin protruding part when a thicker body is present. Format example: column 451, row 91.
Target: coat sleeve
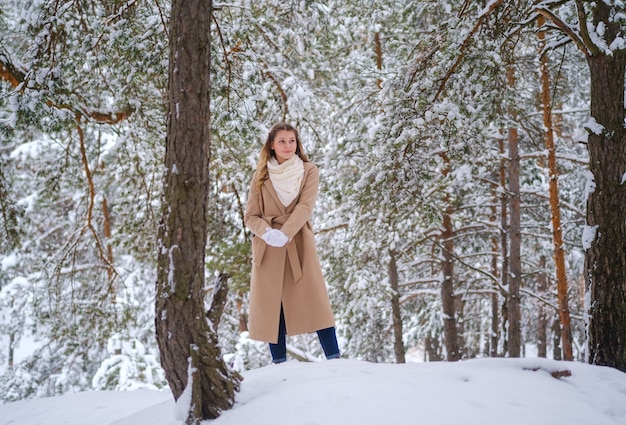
column 253, row 218
column 304, row 208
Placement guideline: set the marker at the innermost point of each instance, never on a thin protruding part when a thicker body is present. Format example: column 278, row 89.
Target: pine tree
column 187, row 339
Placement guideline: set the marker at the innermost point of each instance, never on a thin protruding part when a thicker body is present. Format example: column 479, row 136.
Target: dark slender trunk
column 396, row 314
column 448, row 304
column 515, row 275
column 11, row 350
column 493, row 337
column 447, row 292
column 542, row 319
column 557, row 352
column 504, row 244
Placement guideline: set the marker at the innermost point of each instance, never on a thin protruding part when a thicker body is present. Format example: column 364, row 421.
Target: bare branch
column 92, row 194
column 15, row 77
column 584, row 30
column 548, row 14
column 10, row 73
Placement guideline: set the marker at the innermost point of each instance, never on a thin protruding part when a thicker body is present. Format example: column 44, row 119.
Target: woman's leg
column 279, row 350
column 328, row 339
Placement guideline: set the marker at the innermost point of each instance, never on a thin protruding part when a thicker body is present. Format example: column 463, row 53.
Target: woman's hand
column 275, row 237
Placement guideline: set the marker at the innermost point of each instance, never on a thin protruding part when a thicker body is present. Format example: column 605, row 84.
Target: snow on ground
column 349, row 392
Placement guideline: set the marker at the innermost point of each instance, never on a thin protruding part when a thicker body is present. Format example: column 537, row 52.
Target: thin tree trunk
column 243, row 317
column 11, row 349
column 378, row 49
column 187, row 341
column 557, row 234
column 542, row 320
column 557, row 353
column 447, row 285
column 398, row 344
column 515, row 276
column 107, row 236
column 504, row 243
column 493, row 337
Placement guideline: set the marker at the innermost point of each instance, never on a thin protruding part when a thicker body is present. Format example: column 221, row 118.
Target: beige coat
column 290, row 274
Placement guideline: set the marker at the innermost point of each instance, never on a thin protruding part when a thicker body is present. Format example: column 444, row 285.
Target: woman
column 287, row 291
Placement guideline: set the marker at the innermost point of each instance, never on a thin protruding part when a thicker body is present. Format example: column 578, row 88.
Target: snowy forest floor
column 474, row 392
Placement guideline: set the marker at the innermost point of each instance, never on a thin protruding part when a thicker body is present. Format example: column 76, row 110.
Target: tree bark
column 447, row 284
column 555, row 209
column 542, row 319
column 398, row 343
column 504, row 244
column 432, row 347
column 493, row 337
column 11, row 349
column 605, row 260
column 557, row 352
column 188, row 344
column 515, row 276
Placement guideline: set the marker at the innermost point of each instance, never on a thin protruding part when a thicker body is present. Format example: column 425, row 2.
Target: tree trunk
column 493, row 337
column 542, row 319
column 557, row 353
column 447, row 285
column 398, row 344
column 504, row 244
column 107, row 238
column 432, row 348
column 605, row 259
column 11, row 349
column 555, row 209
column 188, row 346
column 515, row 276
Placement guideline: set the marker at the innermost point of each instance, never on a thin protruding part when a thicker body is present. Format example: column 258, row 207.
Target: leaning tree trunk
column 190, row 356
column 555, row 208
column 605, row 259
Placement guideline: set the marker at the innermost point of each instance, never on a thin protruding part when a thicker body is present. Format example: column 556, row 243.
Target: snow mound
column 474, row 392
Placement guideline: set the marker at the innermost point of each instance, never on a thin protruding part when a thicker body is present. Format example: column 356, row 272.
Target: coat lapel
column 270, row 188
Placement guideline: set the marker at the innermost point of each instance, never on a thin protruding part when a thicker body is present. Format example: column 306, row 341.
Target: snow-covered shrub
column 129, row 367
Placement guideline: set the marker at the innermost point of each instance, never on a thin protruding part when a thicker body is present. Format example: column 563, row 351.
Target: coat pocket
column 258, row 249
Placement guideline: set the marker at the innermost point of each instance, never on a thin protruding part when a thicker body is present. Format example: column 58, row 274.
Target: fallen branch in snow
column 557, row 374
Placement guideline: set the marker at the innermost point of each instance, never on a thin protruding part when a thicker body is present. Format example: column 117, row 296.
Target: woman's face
column 284, row 145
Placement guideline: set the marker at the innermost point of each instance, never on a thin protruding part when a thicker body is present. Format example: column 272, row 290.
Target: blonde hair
column 267, row 152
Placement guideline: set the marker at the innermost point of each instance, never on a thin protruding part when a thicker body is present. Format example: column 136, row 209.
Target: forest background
column 411, row 110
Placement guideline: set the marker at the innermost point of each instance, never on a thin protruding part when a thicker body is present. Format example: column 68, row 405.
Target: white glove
column 275, row 237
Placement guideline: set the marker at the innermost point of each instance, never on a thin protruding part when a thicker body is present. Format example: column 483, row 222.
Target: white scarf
column 286, row 178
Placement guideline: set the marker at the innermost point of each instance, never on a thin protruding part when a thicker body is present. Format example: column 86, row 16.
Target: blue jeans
column 327, row 337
